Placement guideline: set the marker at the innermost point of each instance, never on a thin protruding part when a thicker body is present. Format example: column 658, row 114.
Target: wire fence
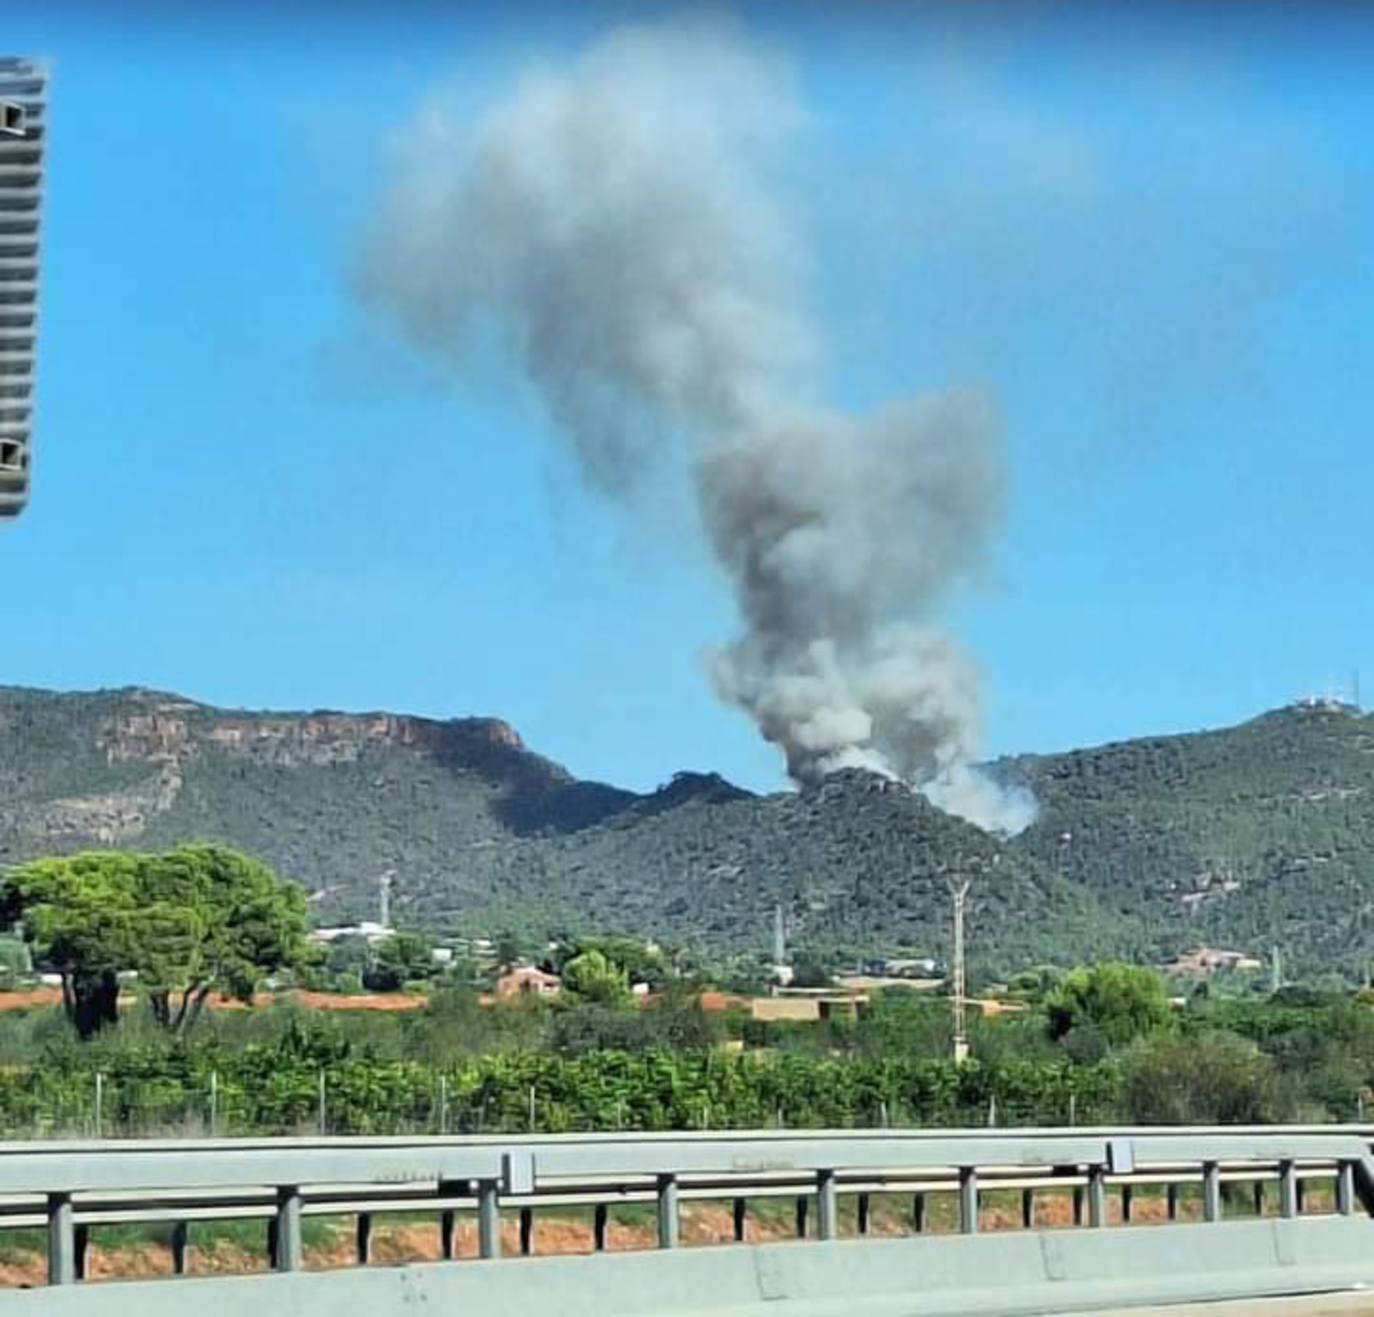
column 398, row 1099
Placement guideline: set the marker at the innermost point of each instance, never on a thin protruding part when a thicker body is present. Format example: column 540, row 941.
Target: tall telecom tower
column 959, row 891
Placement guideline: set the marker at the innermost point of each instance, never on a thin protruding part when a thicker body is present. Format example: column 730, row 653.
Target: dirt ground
column 31, row 998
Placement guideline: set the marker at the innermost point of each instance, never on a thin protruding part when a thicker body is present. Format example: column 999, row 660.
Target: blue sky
column 1146, row 234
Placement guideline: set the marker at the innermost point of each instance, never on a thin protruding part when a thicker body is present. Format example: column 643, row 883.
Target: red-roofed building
column 527, row 979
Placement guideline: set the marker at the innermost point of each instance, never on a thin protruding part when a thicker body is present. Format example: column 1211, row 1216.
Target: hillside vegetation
column 1244, row 837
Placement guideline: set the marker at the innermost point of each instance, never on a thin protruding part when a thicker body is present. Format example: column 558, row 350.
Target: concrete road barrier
column 1018, row 1274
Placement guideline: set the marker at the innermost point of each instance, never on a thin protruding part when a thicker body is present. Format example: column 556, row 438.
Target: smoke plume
column 615, row 223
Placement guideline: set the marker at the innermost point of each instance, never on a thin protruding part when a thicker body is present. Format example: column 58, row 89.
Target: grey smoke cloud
column 614, row 222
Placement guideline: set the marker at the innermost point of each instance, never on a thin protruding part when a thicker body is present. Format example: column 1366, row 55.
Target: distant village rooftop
column 528, row 980
column 1208, row 960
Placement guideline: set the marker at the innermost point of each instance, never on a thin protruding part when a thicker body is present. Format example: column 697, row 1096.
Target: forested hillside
column 1257, row 834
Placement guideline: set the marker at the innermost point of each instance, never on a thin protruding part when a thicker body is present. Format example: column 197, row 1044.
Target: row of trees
column 197, row 920
column 200, row 919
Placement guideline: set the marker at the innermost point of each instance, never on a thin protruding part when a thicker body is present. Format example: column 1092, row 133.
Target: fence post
column 448, row 1189
column 61, row 1240
column 446, row 1224
column 83, row 1243
column 968, row 1200
column 667, row 1211
column 1171, row 1200
column 918, row 1212
column 320, row 1121
column 488, row 1219
column 1073, row 1108
column 882, row 1107
column 181, row 1239
column 99, row 1101
column 288, row 1221
column 1027, row 1208
column 1125, row 1204
column 825, row 1204
column 992, row 1111
column 1211, row 1191
column 364, row 1238
column 1288, row 1189
column 532, row 1119
column 1097, row 1196
column 1345, row 1188
column 599, row 1218
column 526, row 1231
column 740, row 1215
column 214, row 1102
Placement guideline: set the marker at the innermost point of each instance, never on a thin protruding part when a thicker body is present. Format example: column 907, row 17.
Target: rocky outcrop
column 170, row 731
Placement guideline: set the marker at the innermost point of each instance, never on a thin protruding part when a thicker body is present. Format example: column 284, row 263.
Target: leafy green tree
column 214, row 919
column 79, row 915
column 187, row 922
column 1218, row 1079
column 900, row 1022
column 510, row 950
column 462, row 972
column 350, row 954
column 1119, row 1002
column 1035, row 984
column 810, row 969
column 590, row 977
column 641, row 963
column 402, row 958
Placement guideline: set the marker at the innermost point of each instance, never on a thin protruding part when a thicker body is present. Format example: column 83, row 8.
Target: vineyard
column 1098, row 1046
column 265, row 1090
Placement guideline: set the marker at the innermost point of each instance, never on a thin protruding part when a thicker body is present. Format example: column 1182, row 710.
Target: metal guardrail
column 69, row 1187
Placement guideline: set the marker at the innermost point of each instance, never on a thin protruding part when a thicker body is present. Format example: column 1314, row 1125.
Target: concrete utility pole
column 959, row 891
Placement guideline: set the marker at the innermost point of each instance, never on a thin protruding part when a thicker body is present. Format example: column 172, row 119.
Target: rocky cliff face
column 159, row 729
column 134, row 767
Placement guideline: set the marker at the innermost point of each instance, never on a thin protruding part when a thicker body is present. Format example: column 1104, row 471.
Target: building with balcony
column 22, row 88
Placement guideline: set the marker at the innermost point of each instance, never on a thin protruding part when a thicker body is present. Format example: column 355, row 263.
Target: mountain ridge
column 1262, row 831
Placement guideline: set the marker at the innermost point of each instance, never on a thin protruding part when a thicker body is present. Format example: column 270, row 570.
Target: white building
column 373, row 932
